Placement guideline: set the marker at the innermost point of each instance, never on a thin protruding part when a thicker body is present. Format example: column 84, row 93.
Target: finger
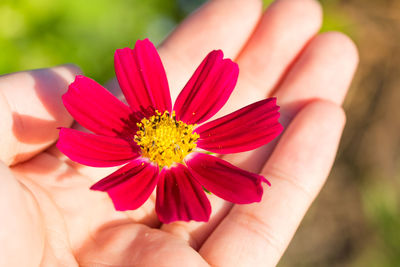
column 283, row 31
column 258, row 234
column 31, row 110
column 324, row 70
column 218, row 24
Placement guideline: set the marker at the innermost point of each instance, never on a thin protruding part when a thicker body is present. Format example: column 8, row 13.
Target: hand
column 51, row 218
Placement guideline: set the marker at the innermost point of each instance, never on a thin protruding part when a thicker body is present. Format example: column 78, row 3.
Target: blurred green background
column 356, row 219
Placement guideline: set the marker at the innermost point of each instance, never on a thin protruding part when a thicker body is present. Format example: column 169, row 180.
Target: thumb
column 31, row 110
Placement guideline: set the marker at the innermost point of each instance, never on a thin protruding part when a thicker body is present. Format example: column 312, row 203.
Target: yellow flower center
column 164, row 140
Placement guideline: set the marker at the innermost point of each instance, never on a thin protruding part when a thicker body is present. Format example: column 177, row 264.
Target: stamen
column 164, row 140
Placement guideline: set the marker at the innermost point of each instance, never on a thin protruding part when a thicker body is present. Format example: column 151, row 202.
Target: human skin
column 51, row 218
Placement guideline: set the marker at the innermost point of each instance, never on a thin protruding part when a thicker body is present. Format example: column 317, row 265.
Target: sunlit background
column 356, row 219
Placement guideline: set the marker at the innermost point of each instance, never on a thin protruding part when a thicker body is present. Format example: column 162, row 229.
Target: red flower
column 159, row 144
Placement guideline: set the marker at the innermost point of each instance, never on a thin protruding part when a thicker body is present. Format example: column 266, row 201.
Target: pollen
column 165, row 140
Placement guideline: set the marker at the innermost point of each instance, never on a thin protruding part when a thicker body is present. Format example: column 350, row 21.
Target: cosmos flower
column 164, row 146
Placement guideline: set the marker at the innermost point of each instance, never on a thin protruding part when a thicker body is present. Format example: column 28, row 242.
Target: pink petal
column 142, row 77
column 243, row 130
column 225, row 180
column 95, row 150
column 95, row 108
column 130, row 186
column 181, row 197
column 208, row 89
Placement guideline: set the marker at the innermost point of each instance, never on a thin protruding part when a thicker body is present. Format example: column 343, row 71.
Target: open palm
column 51, row 218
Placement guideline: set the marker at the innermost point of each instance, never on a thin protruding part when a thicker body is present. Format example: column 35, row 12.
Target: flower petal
column 95, row 150
column 243, row 130
column 225, row 180
column 208, row 89
column 142, row 77
column 181, row 197
column 95, row 108
column 130, row 186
